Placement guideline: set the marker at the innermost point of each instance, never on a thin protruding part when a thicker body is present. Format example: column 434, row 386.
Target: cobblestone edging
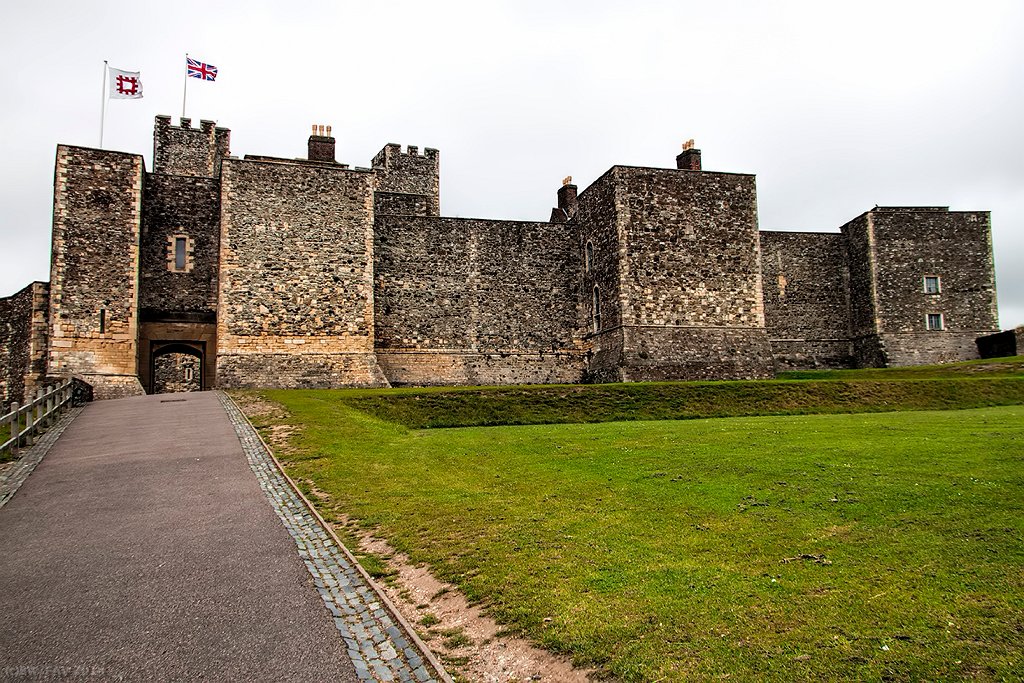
column 11, row 479
column 377, row 646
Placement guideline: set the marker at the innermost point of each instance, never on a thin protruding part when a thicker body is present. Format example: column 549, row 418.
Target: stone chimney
column 566, row 202
column 321, row 144
column 689, row 159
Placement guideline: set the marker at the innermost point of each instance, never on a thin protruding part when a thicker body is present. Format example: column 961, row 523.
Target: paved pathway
column 143, row 548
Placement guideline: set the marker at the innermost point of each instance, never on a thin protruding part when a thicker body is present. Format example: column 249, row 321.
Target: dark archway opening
column 176, row 367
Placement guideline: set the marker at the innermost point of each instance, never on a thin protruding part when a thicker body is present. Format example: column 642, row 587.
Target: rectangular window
column 179, row 253
column 931, row 284
column 935, row 321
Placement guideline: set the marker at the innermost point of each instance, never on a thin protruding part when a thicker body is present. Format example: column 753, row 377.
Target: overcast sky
column 835, row 109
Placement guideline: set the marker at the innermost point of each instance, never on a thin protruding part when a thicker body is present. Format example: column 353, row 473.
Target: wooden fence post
column 15, row 426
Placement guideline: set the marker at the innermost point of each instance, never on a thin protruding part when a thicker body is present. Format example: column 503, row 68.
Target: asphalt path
column 142, row 548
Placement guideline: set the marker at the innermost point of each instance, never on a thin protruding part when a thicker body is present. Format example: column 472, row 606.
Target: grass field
column 849, row 546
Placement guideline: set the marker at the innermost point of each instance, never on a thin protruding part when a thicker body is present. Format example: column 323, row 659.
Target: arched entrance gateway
column 176, row 366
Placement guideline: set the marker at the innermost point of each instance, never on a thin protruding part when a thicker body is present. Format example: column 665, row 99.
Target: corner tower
column 94, row 269
column 672, row 274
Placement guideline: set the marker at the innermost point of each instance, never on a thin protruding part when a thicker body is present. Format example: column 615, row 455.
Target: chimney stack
column 321, row 144
column 566, row 202
column 689, row 159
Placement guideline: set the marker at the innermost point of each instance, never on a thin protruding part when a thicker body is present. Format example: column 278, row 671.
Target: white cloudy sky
column 835, row 106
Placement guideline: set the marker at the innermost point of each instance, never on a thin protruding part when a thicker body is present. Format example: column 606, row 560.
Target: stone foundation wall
column 655, row 354
column 427, row 368
column 926, row 348
column 812, row 354
column 306, row 371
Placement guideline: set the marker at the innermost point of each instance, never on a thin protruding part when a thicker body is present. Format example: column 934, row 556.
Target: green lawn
column 854, row 546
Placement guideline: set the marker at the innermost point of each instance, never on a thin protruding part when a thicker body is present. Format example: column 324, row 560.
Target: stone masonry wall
column 24, row 318
column 598, row 235
column 410, row 173
column 176, row 373
column 907, row 244
column 184, row 150
column 690, row 274
column 94, row 269
column 462, row 301
column 865, row 343
column 172, row 207
column 296, row 278
column 401, row 204
column 806, row 299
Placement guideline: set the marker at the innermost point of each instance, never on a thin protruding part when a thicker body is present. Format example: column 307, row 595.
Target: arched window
column 589, row 261
column 597, row 309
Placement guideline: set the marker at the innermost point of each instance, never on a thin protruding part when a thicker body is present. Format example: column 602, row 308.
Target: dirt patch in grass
column 472, row 646
column 470, row 643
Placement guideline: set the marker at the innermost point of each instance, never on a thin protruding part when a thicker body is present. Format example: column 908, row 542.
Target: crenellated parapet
column 187, row 151
column 408, row 173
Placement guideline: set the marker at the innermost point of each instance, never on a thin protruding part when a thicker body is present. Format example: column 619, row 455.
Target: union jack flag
column 207, row 72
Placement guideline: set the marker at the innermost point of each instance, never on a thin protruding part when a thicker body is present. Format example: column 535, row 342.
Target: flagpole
column 185, row 93
column 103, row 105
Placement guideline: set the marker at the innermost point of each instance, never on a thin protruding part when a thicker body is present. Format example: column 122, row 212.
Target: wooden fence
column 21, row 425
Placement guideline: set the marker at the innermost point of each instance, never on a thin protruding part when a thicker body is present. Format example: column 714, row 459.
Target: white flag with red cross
column 124, row 85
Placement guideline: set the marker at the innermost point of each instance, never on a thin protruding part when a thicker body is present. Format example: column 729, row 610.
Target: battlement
column 408, row 173
column 392, row 156
column 184, row 150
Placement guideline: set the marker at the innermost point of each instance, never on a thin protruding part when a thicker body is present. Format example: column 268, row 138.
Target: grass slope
column 858, row 546
column 972, row 384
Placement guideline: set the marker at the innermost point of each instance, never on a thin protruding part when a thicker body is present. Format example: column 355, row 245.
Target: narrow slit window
column 589, row 262
column 935, row 321
column 932, row 284
column 103, row 320
column 597, row 310
column 179, row 253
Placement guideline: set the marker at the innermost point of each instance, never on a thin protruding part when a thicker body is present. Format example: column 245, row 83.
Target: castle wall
column 806, row 299
column 94, row 269
column 296, row 282
column 467, row 301
column 401, row 204
column 903, row 246
column 689, row 273
column 408, row 173
column 24, row 327
column 598, row 241
column 174, row 207
column 184, row 150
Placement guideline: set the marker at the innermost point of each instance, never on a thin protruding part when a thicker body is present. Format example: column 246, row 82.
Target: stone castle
column 218, row 271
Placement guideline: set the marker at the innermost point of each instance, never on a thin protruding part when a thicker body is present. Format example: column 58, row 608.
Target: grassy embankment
column 846, row 546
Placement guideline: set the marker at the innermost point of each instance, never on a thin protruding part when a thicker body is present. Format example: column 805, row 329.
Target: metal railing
column 26, row 422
